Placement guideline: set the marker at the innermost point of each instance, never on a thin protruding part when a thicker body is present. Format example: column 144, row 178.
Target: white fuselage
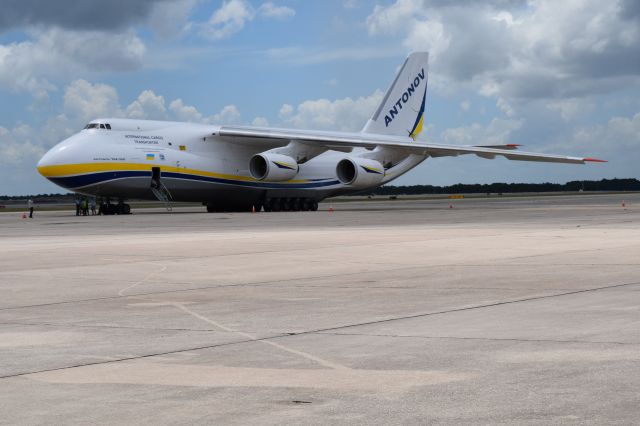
column 192, row 160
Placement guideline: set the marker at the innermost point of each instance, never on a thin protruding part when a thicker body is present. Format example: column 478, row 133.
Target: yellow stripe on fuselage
column 63, row 170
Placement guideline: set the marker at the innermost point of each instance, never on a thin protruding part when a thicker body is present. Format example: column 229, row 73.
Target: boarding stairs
column 162, row 194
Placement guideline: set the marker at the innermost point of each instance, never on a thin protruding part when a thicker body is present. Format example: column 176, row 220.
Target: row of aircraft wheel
column 284, row 204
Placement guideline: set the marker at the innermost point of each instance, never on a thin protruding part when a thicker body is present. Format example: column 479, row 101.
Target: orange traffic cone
column 253, row 209
column 624, row 205
column 330, row 209
column 24, row 215
column 450, row 205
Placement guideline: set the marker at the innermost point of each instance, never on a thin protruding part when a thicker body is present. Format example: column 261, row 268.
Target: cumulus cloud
column 148, row 106
column 228, row 19
column 57, row 53
column 185, row 112
column 570, row 108
column 519, row 51
column 497, row 132
column 270, row 10
column 618, row 136
column 260, row 122
column 232, row 16
column 20, row 150
column 228, row 115
column 89, row 101
column 345, row 114
column 18, row 144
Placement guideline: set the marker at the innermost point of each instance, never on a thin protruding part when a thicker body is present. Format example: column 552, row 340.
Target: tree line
column 505, row 188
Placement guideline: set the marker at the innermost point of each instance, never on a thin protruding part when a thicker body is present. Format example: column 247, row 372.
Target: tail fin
column 401, row 112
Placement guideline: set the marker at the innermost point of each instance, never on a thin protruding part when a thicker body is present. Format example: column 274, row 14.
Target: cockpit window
column 98, row 126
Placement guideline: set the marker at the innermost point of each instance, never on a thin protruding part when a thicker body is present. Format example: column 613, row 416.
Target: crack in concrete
column 320, row 331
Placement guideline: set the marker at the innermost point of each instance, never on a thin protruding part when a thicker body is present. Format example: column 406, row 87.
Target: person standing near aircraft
column 30, row 207
column 77, row 201
column 93, row 206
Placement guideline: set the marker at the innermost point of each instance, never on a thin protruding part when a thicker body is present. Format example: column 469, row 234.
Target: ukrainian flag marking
column 417, row 126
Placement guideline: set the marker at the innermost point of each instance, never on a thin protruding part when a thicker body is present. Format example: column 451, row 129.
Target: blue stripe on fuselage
column 80, row 181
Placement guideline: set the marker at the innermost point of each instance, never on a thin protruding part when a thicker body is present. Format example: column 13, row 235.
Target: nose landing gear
column 107, row 208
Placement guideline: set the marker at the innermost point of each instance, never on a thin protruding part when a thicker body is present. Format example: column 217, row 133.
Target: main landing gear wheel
column 268, row 205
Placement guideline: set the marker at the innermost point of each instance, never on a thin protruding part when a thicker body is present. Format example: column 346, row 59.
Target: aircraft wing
column 268, row 138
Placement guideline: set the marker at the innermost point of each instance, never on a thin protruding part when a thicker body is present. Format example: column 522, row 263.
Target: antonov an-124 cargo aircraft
column 237, row 168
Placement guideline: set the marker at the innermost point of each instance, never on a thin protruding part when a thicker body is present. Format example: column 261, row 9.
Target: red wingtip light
column 513, row 145
column 594, row 160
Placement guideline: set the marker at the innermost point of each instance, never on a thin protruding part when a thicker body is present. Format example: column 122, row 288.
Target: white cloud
column 260, row 122
column 228, row 115
column 148, row 106
column 517, row 51
column 286, row 111
column 229, row 18
column 232, row 16
column 53, row 54
column 620, row 136
column 571, row 108
column 185, row 112
column 19, row 144
column 89, row 101
column 393, row 18
column 270, row 10
column 342, row 114
column 428, row 35
column 497, row 132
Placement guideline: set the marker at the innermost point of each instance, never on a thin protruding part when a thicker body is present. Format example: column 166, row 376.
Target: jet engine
column 359, row 172
column 272, row 167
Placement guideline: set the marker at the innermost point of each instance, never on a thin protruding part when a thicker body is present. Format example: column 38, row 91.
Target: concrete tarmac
column 496, row 311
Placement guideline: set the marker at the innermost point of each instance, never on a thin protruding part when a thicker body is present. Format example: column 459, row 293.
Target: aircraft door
column 155, row 177
column 159, row 190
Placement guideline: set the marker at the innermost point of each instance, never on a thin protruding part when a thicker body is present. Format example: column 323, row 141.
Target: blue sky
column 558, row 77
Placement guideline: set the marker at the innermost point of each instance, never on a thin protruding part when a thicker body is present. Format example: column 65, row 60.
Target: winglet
column 594, row 160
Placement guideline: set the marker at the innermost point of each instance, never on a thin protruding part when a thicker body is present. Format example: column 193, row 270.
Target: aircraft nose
column 48, row 161
column 44, row 162
column 55, row 158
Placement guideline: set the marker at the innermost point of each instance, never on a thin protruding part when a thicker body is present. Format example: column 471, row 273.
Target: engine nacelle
column 272, row 167
column 359, row 172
